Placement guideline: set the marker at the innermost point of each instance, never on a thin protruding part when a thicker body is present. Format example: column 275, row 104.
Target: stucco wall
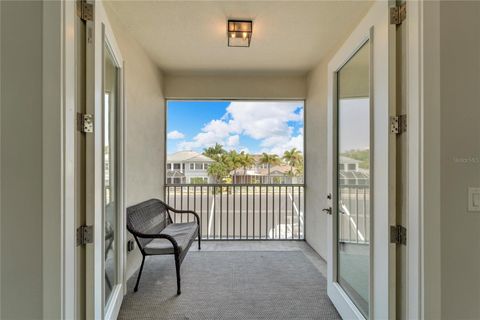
column 21, row 160
column 316, row 158
column 460, row 153
column 145, row 132
column 235, row 87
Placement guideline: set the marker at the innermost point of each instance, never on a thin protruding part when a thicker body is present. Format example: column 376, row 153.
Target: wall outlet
column 130, row 245
column 473, row 199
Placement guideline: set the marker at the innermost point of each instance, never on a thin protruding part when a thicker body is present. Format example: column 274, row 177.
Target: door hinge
column 398, row 14
column 398, row 124
column 85, row 122
column 85, row 10
column 84, row 235
column 398, row 235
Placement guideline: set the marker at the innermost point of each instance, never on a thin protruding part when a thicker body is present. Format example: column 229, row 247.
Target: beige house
column 258, row 173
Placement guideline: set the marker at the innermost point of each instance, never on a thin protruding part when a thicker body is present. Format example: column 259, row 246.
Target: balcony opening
column 239, row 165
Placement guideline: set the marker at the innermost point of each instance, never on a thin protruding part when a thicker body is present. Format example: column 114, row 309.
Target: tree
column 214, row 152
column 233, row 161
column 247, row 161
column 361, row 155
column 219, row 171
column 294, row 158
column 270, row 160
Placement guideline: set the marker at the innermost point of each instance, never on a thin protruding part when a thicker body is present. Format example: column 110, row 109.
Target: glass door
column 353, row 178
column 361, row 274
column 110, row 171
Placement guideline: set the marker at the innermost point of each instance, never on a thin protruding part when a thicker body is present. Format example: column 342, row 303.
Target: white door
column 361, row 260
column 104, row 168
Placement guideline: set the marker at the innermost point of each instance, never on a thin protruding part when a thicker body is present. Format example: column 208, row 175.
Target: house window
column 192, row 166
column 176, row 166
column 352, row 167
column 198, row 166
column 341, row 167
column 169, row 166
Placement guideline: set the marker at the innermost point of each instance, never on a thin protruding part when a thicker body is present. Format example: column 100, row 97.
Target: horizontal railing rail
column 354, row 214
column 242, row 211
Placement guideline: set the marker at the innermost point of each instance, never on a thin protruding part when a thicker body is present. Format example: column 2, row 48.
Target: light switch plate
column 473, row 199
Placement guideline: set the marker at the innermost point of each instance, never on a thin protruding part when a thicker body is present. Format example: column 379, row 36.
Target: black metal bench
column 156, row 234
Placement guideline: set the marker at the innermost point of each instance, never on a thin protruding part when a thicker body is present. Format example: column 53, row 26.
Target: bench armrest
column 186, row 212
column 154, row 236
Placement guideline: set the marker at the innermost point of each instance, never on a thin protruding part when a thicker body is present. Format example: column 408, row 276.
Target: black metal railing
column 354, row 217
column 242, row 211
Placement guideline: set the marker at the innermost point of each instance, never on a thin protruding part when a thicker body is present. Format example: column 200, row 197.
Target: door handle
column 327, row 210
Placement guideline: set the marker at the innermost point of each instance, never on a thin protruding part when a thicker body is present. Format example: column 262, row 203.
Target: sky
column 354, row 124
column 250, row 126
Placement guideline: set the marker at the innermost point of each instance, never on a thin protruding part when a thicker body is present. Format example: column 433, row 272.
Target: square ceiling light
column 239, row 33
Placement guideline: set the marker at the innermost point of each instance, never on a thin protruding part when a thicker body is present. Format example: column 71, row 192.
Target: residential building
column 350, row 173
column 188, row 167
column 258, row 173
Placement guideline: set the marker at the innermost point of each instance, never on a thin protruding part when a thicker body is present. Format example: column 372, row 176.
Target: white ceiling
column 190, row 36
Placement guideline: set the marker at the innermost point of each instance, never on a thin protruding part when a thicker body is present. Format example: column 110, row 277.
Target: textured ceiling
column 185, row 37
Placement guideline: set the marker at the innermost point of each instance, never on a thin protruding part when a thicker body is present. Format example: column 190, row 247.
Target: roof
column 353, row 175
column 188, row 156
column 175, row 174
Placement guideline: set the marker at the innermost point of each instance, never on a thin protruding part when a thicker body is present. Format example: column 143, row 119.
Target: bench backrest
column 148, row 217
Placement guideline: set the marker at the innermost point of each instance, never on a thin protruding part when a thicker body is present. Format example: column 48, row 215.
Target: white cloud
column 173, row 135
column 267, row 122
column 232, row 141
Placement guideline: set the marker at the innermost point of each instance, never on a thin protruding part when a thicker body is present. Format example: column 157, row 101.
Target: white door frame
column 376, row 27
column 423, row 214
column 59, row 127
column 101, row 35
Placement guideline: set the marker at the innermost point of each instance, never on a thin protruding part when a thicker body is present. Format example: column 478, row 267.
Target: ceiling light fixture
column 239, row 33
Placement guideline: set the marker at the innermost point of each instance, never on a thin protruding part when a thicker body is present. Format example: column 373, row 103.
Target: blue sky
column 252, row 126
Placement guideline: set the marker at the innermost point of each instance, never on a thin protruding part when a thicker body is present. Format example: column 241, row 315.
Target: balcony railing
column 354, row 217
column 242, row 211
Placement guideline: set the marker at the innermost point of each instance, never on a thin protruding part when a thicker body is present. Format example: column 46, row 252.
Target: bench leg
column 139, row 274
column 199, row 240
column 177, row 268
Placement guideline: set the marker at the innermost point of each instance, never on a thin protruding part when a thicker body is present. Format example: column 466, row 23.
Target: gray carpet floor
column 245, row 285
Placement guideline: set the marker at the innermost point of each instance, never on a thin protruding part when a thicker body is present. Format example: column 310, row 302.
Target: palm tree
column 270, row 160
column 234, row 162
column 294, row 158
column 247, row 161
column 214, row 152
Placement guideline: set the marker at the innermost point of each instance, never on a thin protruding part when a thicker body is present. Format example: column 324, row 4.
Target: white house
column 187, row 167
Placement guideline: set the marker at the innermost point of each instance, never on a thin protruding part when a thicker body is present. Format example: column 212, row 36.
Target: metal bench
column 156, row 234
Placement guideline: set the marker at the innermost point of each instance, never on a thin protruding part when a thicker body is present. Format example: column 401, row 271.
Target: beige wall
column 235, row 87
column 460, row 153
column 144, row 126
column 21, row 160
column 316, row 159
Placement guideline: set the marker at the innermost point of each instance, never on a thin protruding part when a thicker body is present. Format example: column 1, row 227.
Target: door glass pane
column 353, row 172
column 110, row 171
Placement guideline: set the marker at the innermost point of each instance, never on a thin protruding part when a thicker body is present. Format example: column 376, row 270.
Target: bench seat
column 183, row 233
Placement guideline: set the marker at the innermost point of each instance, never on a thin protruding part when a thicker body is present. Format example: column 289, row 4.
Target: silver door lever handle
column 327, row 210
